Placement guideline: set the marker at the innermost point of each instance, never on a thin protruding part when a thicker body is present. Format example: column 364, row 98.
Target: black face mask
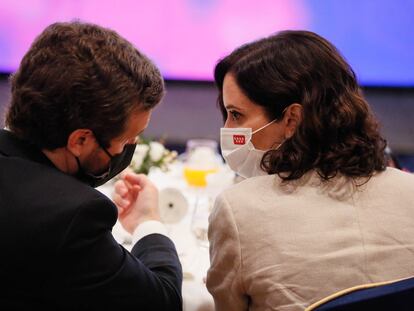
column 118, row 163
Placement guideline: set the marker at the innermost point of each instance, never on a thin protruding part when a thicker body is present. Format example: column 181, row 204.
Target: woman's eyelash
column 234, row 114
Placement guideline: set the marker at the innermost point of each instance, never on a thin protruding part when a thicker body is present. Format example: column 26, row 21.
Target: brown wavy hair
column 80, row 75
column 338, row 132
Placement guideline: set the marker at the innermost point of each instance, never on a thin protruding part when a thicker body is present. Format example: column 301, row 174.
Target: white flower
column 150, row 154
column 139, row 155
column 156, row 151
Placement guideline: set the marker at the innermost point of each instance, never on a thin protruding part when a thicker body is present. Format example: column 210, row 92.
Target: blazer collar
column 12, row 146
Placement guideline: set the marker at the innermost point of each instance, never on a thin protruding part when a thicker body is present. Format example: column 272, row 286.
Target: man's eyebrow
column 128, row 137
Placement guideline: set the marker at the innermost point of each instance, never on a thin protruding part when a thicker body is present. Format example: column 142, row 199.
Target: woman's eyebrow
column 232, row 107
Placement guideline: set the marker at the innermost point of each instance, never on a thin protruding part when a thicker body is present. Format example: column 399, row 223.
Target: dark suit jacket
column 57, row 249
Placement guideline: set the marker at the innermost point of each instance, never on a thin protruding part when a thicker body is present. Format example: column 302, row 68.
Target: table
column 193, row 252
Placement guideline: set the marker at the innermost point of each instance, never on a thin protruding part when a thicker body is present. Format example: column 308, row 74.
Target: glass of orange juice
column 201, row 160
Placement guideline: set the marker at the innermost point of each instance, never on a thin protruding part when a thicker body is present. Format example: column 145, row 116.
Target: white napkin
column 173, row 205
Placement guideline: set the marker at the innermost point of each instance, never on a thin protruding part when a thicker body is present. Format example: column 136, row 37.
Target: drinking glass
column 201, row 159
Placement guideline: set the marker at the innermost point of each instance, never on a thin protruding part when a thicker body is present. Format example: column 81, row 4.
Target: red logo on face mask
column 239, row 139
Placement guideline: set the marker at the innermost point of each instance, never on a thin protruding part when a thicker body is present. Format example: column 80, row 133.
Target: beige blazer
column 277, row 246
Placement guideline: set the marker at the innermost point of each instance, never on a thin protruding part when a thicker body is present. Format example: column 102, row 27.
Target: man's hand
column 136, row 198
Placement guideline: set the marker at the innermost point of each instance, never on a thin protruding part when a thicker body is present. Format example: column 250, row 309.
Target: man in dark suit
column 80, row 97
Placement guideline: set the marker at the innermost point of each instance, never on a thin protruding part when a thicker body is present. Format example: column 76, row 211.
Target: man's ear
column 292, row 118
column 80, row 140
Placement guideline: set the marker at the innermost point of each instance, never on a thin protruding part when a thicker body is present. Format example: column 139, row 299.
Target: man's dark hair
column 337, row 134
column 79, row 75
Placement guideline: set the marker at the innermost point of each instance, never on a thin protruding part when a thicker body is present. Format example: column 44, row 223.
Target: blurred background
column 185, row 38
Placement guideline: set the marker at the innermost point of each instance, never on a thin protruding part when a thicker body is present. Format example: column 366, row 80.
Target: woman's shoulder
column 273, row 184
column 393, row 178
column 253, row 184
column 265, row 188
column 397, row 173
column 241, row 196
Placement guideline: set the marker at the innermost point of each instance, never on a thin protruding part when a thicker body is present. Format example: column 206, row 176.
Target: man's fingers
column 135, row 191
column 119, row 201
column 136, row 179
column 121, row 188
column 125, row 171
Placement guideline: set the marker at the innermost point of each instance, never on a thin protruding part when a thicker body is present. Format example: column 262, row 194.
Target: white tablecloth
column 193, row 253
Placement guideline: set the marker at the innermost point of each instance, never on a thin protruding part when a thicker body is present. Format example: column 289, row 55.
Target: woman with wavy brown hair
column 317, row 211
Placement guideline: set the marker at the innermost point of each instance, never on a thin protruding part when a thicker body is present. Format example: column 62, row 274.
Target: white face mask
column 238, row 151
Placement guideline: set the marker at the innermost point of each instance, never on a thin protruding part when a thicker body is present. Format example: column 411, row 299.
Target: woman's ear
column 292, row 118
column 80, row 140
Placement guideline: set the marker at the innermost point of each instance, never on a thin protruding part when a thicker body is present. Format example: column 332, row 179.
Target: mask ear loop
column 271, row 122
column 263, row 127
column 102, row 147
column 107, row 153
